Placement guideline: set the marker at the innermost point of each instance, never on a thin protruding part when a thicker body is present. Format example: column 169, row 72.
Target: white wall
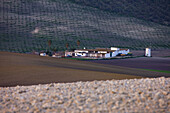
column 115, row 53
column 81, row 54
column 124, row 51
column 115, row 48
column 107, row 55
column 42, row 54
column 112, row 55
column 68, row 53
column 148, row 52
column 102, row 51
column 80, row 51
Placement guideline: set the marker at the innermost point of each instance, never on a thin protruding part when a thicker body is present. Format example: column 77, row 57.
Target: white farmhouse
column 99, row 52
column 82, row 53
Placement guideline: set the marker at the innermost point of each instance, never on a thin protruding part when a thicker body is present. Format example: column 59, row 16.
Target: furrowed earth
column 24, row 69
column 45, row 84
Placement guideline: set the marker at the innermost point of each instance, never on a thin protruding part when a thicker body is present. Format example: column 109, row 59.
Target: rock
column 33, row 102
column 158, row 95
column 20, row 92
column 59, row 102
column 134, row 95
column 109, row 104
column 46, row 105
column 164, row 93
column 51, row 85
column 161, row 102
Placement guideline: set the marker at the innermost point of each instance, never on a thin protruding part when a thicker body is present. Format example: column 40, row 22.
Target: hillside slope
column 157, row 11
column 27, row 25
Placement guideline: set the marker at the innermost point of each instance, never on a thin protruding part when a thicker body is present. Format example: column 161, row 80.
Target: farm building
column 98, row 53
column 69, row 53
column 148, row 52
column 43, row 54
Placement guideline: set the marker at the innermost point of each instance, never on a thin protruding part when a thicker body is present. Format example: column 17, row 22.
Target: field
column 159, row 62
column 26, row 26
column 23, row 69
column 153, row 63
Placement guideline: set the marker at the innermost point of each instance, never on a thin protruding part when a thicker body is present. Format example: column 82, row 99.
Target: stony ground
column 134, row 95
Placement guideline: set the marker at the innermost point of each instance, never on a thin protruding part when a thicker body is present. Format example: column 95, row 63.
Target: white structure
column 68, row 54
column 43, row 54
column 99, row 52
column 83, row 52
column 148, row 52
column 124, row 51
column 115, row 48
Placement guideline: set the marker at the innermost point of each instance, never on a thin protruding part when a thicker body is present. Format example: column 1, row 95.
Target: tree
column 49, row 43
column 55, row 49
column 78, row 43
column 67, row 45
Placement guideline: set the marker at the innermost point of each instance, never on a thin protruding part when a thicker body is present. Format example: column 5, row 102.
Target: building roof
column 97, row 49
column 124, row 49
column 100, row 49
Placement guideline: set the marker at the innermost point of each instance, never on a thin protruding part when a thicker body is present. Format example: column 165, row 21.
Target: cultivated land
column 155, row 63
column 23, row 69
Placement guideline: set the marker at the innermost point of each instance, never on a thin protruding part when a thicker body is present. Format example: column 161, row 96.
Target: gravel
column 133, row 95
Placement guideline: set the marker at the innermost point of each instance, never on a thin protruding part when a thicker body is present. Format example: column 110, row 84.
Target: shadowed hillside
column 150, row 10
column 27, row 25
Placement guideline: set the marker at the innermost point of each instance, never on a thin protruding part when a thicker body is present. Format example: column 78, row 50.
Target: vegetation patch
column 163, row 71
column 26, row 26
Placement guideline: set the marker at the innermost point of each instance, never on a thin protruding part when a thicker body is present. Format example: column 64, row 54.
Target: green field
column 26, row 26
column 158, row 70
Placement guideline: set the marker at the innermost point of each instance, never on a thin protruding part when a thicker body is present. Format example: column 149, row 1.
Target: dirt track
column 22, row 69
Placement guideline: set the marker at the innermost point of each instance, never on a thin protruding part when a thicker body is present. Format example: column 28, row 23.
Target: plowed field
column 23, row 69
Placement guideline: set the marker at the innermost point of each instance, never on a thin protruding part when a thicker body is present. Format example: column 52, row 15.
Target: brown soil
column 23, row 69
